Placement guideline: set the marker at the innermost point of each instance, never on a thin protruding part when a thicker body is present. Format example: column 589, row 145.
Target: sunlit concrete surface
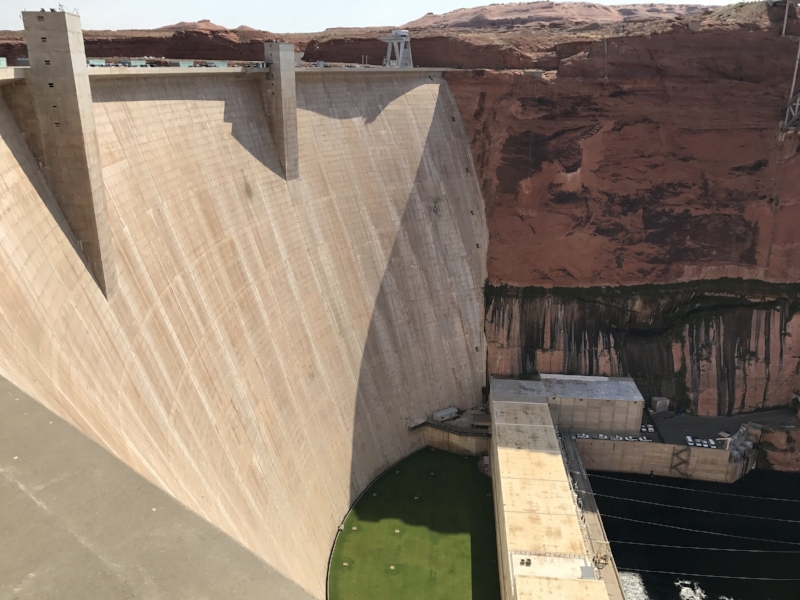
column 542, row 549
column 268, row 341
column 75, row 522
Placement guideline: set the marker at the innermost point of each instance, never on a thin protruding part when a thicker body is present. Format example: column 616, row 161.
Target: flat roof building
column 584, row 403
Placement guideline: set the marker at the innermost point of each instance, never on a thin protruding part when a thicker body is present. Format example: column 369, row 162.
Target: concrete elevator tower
column 59, row 80
column 281, row 104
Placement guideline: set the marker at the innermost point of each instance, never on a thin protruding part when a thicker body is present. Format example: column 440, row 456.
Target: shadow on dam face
column 17, row 99
column 271, row 339
column 424, row 348
column 211, row 98
column 156, row 96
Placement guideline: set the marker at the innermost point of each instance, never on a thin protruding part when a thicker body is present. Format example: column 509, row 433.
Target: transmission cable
column 702, row 510
column 714, row 576
column 730, row 535
column 675, row 487
column 704, row 548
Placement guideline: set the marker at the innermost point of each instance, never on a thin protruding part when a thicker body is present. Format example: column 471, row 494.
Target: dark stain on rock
column 624, row 204
column 522, row 156
column 567, row 198
column 613, row 230
column 686, row 237
column 481, row 106
column 641, row 324
column 532, row 102
column 752, row 168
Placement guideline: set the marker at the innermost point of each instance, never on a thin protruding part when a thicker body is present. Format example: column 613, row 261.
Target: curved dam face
column 267, row 340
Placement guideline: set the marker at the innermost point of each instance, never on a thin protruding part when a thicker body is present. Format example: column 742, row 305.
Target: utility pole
column 786, row 15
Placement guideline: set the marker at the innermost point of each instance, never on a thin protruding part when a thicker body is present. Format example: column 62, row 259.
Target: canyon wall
column 268, row 340
column 669, row 170
column 698, row 344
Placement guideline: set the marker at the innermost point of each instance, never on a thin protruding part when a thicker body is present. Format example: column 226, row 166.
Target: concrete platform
column 12, row 74
column 543, row 549
column 75, row 522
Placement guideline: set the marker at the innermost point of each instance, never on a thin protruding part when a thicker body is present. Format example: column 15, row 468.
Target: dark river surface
column 777, row 530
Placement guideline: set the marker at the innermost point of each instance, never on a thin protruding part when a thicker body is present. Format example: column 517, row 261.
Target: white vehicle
column 582, row 436
column 650, row 428
column 630, row 438
column 644, row 428
column 712, row 443
column 616, row 438
column 446, row 414
column 689, row 440
column 602, row 437
column 644, row 438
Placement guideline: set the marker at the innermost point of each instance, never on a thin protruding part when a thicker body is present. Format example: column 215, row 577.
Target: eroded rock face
column 780, row 450
column 702, row 344
column 668, row 170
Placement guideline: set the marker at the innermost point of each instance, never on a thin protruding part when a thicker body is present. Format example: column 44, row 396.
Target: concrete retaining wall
column 660, row 459
column 458, row 443
column 623, row 417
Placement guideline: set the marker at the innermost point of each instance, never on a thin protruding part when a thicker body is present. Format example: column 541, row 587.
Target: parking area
column 648, row 432
column 675, row 429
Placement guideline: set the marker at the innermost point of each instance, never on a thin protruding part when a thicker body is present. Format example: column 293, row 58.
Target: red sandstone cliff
column 668, row 170
column 780, row 451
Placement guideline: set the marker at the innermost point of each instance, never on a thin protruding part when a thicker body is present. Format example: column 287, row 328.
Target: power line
column 713, row 512
column 708, row 549
column 730, row 535
column 675, row 487
column 714, row 576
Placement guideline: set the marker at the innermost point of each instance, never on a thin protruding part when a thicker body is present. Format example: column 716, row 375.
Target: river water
column 773, row 524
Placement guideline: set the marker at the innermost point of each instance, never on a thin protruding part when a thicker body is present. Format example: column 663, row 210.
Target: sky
column 279, row 16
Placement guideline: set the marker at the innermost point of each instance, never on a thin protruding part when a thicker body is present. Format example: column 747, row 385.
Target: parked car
column 644, row 428
column 617, row 438
column 582, row 436
column 689, row 440
column 650, row 428
column 602, row 437
column 712, row 443
column 644, row 438
column 630, row 438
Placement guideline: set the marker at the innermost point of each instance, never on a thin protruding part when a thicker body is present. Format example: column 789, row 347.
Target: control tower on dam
column 242, row 282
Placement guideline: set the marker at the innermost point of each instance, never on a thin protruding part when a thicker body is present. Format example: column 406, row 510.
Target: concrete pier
column 70, row 159
column 281, row 101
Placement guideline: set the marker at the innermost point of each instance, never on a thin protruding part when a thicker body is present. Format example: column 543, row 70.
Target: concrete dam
column 242, row 283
